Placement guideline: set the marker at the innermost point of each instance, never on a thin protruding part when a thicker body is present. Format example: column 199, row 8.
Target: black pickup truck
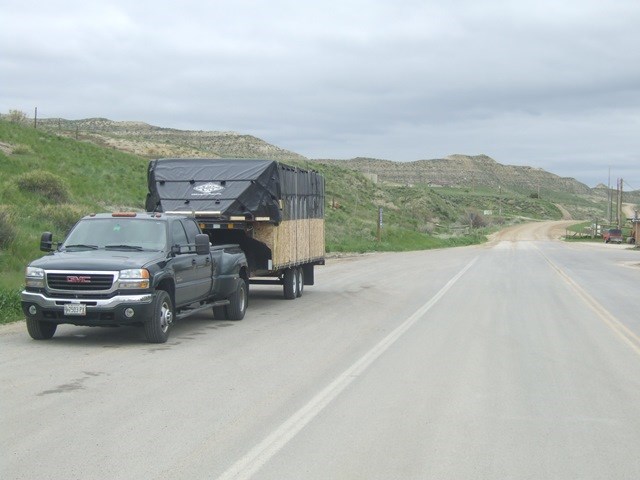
column 145, row 269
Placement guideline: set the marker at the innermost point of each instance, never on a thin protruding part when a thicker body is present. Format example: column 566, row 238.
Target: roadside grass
column 507, row 204
column 401, row 240
column 10, row 310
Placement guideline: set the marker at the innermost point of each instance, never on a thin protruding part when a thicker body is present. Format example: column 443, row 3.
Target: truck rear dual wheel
column 238, row 302
column 156, row 328
column 237, row 307
column 40, row 330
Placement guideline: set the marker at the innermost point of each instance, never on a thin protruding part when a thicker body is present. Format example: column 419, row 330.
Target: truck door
column 202, row 274
column 192, row 282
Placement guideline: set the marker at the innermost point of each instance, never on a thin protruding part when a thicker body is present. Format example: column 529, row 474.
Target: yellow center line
column 619, row 328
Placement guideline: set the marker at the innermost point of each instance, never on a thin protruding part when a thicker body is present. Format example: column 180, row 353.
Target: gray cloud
column 554, row 85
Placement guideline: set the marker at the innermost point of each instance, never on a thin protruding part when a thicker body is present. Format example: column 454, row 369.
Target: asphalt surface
column 518, row 359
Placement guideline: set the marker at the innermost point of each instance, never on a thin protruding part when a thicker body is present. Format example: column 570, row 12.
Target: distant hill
column 461, row 171
column 150, row 141
column 464, row 171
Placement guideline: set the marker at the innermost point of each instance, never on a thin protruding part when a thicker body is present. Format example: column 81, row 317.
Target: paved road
column 519, row 359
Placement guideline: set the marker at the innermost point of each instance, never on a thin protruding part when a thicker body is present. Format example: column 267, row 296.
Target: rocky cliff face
column 464, row 171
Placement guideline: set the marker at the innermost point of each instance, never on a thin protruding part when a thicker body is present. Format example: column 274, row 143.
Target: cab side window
column 179, row 236
column 192, row 230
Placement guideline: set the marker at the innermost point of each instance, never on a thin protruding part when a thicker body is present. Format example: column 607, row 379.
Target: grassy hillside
column 47, row 183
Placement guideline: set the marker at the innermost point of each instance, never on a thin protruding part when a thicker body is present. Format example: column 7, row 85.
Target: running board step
column 185, row 312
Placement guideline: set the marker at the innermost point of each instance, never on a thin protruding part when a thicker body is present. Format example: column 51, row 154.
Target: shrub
column 63, row 216
column 17, row 116
column 7, row 227
column 475, row 219
column 44, row 183
column 22, row 150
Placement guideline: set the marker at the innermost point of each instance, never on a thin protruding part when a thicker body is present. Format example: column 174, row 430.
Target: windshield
column 117, row 234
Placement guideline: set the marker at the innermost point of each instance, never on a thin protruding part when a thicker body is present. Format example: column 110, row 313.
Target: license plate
column 75, row 309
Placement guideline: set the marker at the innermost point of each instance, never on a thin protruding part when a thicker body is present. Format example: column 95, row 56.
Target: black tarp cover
column 234, row 187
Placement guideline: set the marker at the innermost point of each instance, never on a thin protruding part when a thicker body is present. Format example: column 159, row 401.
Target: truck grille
column 79, row 282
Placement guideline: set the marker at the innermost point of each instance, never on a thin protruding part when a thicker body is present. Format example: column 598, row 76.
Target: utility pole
column 35, row 118
column 619, row 212
column 609, row 213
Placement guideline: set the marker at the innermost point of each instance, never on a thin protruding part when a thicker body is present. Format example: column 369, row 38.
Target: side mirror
column 202, row 244
column 46, row 242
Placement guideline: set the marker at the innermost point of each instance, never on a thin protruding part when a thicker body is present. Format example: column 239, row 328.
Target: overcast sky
column 546, row 83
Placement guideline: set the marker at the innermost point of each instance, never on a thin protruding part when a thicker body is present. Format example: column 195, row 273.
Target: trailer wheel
column 300, row 281
column 238, row 302
column 290, row 284
column 40, row 330
column 156, row 328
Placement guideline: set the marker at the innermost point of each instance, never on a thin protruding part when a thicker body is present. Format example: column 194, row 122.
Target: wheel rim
column 300, row 280
column 165, row 317
column 243, row 299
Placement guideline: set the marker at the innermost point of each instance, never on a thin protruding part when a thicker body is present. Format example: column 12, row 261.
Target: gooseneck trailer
column 275, row 212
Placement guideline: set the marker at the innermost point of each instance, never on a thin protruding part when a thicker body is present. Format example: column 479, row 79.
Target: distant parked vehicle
column 612, row 235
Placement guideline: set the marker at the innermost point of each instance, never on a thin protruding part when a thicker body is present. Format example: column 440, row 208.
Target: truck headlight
column 34, row 277
column 134, row 278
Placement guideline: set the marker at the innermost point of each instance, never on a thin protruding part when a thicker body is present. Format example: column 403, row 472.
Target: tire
column 156, row 328
column 290, row 284
column 238, row 302
column 220, row 313
column 300, row 281
column 40, row 330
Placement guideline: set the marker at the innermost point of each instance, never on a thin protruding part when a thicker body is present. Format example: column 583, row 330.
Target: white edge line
column 260, row 454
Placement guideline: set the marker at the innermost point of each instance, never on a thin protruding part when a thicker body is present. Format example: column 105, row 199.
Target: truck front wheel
column 40, row 330
column 156, row 328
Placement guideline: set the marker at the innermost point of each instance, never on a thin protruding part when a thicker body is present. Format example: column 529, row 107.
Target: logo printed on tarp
column 210, row 188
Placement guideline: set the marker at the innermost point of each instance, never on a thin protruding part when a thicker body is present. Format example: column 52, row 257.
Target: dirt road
column 550, row 230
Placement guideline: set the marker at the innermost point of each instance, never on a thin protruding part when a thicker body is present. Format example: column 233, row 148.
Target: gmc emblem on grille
column 78, row 279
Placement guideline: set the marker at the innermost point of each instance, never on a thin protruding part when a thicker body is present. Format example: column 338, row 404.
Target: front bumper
column 99, row 312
